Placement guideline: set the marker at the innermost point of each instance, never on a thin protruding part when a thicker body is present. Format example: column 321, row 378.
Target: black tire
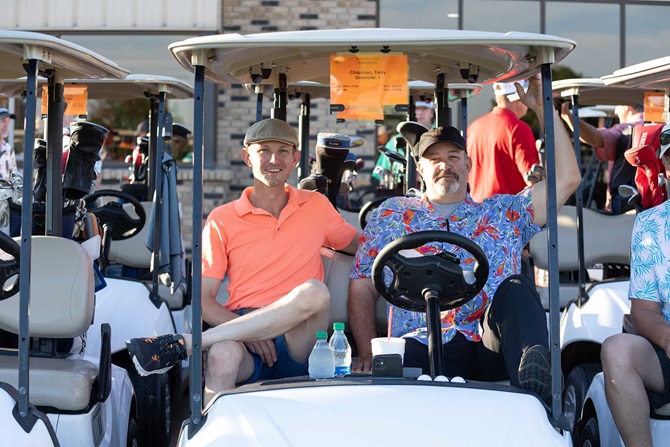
column 577, row 384
column 133, row 438
column 154, row 407
column 590, row 436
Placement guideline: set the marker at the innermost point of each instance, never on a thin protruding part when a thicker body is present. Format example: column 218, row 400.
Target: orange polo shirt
column 265, row 257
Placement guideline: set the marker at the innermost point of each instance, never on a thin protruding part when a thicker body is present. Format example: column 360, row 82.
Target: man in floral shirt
column 486, row 338
column 637, row 367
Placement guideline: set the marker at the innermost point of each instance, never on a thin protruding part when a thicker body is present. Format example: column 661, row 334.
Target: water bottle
column 321, row 361
column 341, row 350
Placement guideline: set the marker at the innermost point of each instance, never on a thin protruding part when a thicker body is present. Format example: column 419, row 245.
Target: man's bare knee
column 314, row 297
column 224, row 357
column 614, row 350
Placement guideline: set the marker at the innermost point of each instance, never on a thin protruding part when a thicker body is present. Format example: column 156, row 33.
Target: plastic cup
column 385, row 345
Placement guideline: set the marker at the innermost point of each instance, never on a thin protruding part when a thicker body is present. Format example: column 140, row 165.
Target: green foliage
column 125, row 114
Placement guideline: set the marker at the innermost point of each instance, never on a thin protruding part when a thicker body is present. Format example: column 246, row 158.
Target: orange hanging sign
column 364, row 83
column 653, row 107
column 75, row 97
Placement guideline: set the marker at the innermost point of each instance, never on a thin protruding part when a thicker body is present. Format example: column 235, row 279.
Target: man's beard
column 445, row 185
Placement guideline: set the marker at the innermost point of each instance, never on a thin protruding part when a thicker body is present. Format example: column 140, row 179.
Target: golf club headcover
column 85, row 144
column 411, row 131
column 40, row 186
column 647, row 175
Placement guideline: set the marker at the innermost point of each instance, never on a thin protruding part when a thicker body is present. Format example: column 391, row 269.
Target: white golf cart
column 596, row 424
column 132, row 307
column 47, row 397
column 593, row 306
column 371, row 410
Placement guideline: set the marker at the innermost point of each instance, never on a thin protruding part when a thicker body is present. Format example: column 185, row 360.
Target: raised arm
column 568, row 175
column 587, row 133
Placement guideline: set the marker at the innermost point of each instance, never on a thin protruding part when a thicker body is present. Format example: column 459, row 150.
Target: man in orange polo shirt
column 268, row 243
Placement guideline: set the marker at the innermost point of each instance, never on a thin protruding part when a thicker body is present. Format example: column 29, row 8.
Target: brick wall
column 237, row 107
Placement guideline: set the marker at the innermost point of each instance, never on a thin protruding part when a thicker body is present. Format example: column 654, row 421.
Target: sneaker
column 535, row 372
column 156, row 355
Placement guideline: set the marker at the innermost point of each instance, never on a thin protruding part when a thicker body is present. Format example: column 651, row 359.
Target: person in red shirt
column 501, row 147
column 268, row 243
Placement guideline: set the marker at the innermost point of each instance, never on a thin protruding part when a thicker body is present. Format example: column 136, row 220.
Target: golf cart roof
column 305, row 55
column 457, row 91
column 654, row 74
column 318, row 90
column 133, row 86
column 593, row 91
column 72, row 61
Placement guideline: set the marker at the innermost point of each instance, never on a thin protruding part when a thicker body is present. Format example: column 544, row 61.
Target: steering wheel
column 114, row 217
column 413, row 278
column 9, row 267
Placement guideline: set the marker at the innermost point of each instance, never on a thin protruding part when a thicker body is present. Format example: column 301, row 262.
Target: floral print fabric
column 650, row 257
column 501, row 225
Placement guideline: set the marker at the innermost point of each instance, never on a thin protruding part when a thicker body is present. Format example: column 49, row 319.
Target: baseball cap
column 4, row 113
column 508, row 89
column 447, row 134
column 271, row 129
column 333, row 140
column 427, row 104
column 179, row 130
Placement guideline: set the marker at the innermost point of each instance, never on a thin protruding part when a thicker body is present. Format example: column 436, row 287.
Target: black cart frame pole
column 158, row 199
column 26, row 241
column 579, row 204
column 197, row 418
column 464, row 118
column 54, row 195
column 552, row 242
column 441, row 118
column 280, row 96
column 153, row 134
column 303, row 133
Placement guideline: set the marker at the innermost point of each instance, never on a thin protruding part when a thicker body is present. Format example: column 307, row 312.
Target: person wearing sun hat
column 501, row 146
column 501, row 334
column 7, row 155
column 636, row 365
column 268, row 244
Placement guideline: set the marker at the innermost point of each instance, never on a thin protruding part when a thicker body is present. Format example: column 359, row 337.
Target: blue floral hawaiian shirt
column 501, row 225
column 650, row 257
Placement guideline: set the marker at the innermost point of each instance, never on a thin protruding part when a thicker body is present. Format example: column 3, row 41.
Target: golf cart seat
column 133, row 252
column 606, row 240
column 336, row 268
column 61, row 306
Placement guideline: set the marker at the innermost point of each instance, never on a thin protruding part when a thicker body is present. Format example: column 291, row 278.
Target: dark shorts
column 284, row 367
column 657, row 400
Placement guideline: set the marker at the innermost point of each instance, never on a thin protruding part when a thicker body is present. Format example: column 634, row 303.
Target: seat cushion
column 62, row 291
column 133, row 252
column 64, row 384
